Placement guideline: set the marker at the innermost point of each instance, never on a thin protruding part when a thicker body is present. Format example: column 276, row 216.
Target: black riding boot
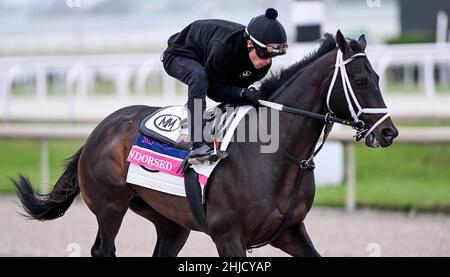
column 201, row 151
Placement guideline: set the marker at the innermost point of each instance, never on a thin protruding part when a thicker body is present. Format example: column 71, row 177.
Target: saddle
column 169, row 125
column 162, row 144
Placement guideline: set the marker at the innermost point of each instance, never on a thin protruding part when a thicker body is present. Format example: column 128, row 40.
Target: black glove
column 251, row 96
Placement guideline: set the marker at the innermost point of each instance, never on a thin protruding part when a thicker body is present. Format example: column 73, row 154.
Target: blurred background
column 65, row 65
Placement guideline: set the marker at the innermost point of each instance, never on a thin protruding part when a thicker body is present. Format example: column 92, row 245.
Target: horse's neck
column 299, row 134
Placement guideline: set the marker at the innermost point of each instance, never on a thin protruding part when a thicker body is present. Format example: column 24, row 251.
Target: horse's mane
column 328, row 43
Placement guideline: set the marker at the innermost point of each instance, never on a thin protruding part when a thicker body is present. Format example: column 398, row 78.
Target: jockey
column 221, row 59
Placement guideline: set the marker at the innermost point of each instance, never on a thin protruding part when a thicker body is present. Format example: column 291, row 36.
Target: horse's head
column 354, row 93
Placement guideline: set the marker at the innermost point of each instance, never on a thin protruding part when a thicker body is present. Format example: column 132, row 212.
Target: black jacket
column 220, row 46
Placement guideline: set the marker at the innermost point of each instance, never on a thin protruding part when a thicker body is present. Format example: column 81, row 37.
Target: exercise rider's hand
column 251, row 96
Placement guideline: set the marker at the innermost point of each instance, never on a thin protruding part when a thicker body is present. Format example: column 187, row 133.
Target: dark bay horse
column 248, row 195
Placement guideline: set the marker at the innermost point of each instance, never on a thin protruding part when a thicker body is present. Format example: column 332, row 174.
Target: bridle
column 350, row 96
column 361, row 129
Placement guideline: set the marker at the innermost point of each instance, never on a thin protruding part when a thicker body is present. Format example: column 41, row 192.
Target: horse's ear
column 362, row 41
column 342, row 42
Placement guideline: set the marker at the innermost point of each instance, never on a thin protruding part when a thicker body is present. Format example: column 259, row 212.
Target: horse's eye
column 361, row 83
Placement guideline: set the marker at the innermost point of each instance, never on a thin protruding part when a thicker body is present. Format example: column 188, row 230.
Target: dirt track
column 334, row 232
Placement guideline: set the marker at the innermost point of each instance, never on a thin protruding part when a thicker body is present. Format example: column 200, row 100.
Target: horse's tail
column 54, row 204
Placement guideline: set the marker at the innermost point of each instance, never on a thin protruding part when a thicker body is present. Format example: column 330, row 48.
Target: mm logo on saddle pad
column 167, row 122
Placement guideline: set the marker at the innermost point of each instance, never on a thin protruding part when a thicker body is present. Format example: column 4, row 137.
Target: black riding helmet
column 267, row 34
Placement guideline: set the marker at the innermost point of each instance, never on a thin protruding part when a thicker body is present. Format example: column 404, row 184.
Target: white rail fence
column 129, row 72
column 43, row 133
column 429, row 58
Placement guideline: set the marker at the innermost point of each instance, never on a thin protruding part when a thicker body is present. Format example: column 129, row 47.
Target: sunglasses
column 270, row 50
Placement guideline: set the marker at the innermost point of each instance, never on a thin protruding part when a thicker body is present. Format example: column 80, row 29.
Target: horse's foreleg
column 296, row 242
column 171, row 237
column 229, row 244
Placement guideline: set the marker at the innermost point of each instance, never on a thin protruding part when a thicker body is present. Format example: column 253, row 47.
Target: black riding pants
column 193, row 74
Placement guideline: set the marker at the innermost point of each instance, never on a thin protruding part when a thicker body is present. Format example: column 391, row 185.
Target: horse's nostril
column 389, row 134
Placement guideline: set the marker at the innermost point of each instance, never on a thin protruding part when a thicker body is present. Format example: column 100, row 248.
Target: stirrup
column 217, row 156
column 211, row 158
column 199, row 160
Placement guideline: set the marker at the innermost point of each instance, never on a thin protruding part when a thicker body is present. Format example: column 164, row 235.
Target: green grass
column 401, row 177
column 22, row 156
